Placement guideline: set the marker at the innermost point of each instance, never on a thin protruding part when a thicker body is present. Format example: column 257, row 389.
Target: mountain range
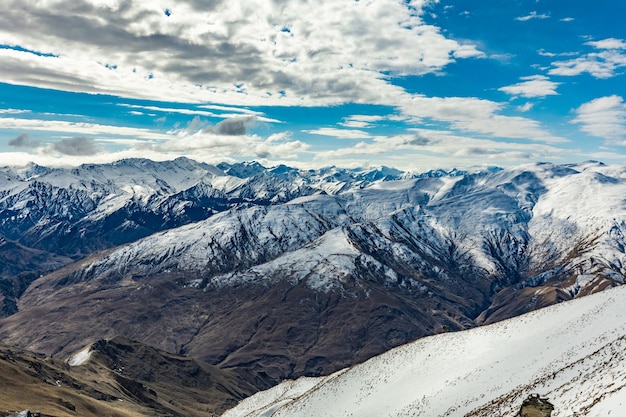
column 287, row 272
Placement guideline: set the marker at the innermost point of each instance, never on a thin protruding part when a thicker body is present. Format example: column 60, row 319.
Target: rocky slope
column 302, row 273
column 119, row 378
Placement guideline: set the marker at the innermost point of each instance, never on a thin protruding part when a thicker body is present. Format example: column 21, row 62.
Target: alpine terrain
column 283, row 272
column 574, row 354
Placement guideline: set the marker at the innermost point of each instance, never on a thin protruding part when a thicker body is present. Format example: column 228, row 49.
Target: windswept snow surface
column 574, row 353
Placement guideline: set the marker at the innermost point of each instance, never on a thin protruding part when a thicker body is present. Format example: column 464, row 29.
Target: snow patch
column 80, row 358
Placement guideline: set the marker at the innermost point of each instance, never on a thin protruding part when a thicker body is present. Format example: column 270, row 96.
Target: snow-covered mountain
column 49, row 216
column 75, row 211
column 294, row 272
column 524, row 227
column 573, row 353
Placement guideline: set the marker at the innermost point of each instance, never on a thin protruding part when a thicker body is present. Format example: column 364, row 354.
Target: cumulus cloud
column 604, row 117
column 609, row 43
column 603, row 64
column 533, row 86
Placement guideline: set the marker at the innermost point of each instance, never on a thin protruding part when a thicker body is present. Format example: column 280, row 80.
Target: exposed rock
column 535, row 406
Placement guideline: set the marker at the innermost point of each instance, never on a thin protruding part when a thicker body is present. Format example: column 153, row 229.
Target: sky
column 411, row 84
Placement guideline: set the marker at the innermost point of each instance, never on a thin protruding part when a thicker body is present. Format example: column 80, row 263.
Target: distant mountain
column 243, row 169
column 574, row 354
column 293, row 272
column 74, row 212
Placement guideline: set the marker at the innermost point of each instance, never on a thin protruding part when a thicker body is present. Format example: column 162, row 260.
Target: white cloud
column 194, row 141
column 254, row 53
column 172, row 110
column 532, row 15
column 603, row 64
column 533, row 86
column 205, row 145
column 599, row 65
column 428, row 149
column 13, row 111
column 604, row 156
column 525, row 107
column 233, row 109
column 543, row 52
column 340, row 133
column 380, row 145
column 609, row 43
column 236, row 111
column 604, row 117
column 359, row 121
column 476, row 116
column 79, row 128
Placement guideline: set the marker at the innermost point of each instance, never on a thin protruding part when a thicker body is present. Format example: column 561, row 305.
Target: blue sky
column 414, row 84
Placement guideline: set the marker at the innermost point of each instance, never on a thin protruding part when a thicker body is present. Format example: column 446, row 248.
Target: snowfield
column 573, row 353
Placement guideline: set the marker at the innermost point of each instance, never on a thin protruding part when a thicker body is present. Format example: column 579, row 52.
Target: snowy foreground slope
column 574, row 353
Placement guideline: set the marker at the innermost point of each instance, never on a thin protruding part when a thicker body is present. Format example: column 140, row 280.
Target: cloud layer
column 223, row 51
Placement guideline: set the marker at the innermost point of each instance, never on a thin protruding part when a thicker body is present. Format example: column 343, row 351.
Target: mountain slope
column 119, row 378
column 573, row 353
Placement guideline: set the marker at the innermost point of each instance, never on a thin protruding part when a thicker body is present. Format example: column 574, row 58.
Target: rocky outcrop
column 535, row 406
